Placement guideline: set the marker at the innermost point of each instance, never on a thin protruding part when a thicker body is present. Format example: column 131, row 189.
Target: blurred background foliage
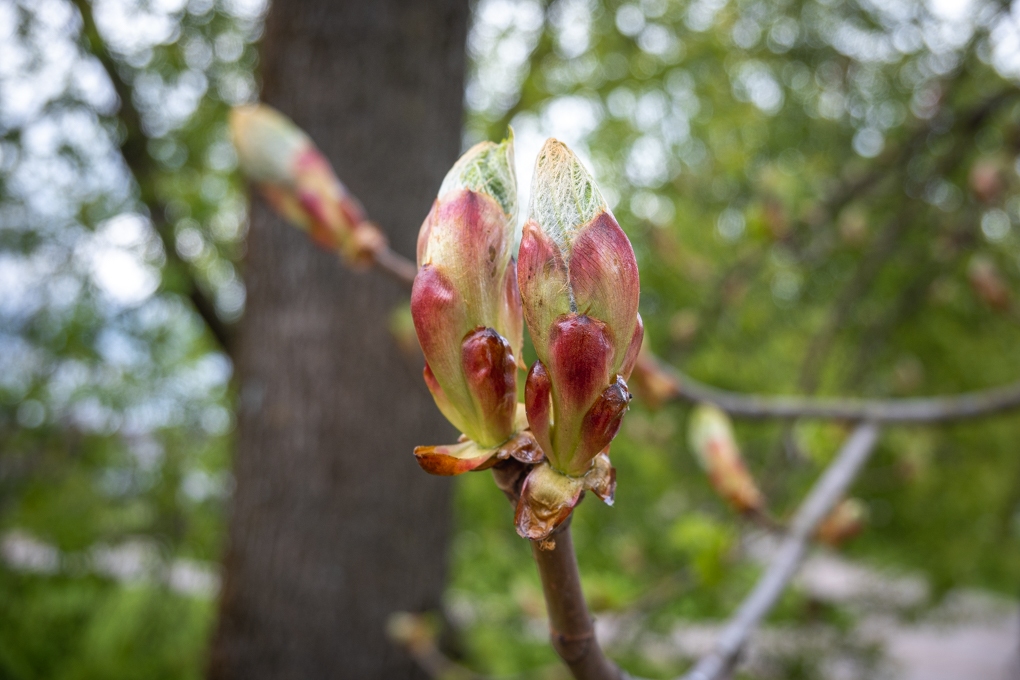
column 823, row 196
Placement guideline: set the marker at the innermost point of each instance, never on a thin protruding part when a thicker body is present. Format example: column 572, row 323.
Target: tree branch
column 822, row 498
column 964, row 406
column 976, row 404
column 396, row 265
column 136, row 157
column 571, row 629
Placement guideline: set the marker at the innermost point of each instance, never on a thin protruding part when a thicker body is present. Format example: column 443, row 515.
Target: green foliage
column 78, row 628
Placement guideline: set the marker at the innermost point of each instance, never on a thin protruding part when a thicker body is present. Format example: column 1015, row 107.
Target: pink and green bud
column 298, row 181
column 466, row 306
column 710, row 435
column 579, row 286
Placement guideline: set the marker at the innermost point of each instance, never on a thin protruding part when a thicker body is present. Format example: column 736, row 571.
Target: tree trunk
column 333, row 525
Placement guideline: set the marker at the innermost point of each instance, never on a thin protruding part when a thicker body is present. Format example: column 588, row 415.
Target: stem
column 570, row 625
column 963, row 406
column 396, row 265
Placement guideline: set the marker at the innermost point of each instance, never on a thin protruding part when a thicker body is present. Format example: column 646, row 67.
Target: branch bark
column 823, row 496
column 571, row 629
column 977, row 404
column 139, row 163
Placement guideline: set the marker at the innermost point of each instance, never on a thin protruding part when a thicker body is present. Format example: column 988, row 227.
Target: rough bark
column 333, row 525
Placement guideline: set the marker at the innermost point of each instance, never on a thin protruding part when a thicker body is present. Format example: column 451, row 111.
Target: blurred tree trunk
column 333, row 525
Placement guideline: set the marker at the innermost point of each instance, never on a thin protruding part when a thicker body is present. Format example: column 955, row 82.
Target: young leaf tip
column 564, row 196
column 487, row 168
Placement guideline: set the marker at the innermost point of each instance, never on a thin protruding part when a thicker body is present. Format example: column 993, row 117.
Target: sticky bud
column 466, row 308
column 548, row 497
column 844, row 522
column 579, row 286
column 988, row 284
column 710, row 435
column 299, row 183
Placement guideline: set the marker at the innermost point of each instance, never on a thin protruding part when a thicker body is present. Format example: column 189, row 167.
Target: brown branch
column 396, row 265
column 822, row 498
column 571, row 629
column 964, row 406
column 136, row 157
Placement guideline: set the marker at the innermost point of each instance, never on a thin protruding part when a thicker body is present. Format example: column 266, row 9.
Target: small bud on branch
column 299, row 183
column 844, row 522
column 710, row 434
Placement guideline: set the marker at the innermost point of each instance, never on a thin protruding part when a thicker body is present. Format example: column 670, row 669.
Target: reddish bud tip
column 538, row 404
column 491, row 374
column 601, row 423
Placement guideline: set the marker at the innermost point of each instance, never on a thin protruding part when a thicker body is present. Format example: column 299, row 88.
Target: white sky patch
column 116, row 260
column 951, row 10
column 123, row 276
column 568, row 119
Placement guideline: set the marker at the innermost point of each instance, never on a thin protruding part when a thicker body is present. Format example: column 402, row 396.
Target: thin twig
column 396, row 265
column 976, row 404
column 822, row 498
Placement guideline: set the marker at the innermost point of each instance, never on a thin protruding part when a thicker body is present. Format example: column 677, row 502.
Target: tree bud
column 580, row 288
column 844, row 522
column 299, row 183
column 548, row 497
column 465, row 303
column 711, row 438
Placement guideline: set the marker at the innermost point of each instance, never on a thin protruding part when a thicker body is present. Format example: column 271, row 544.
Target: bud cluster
column 576, row 284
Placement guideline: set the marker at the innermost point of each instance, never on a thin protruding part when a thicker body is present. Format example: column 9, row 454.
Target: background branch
column 822, row 498
column 136, row 156
column 976, row 404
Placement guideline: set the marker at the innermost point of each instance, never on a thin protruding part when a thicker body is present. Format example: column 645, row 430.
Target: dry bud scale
column 467, row 313
column 299, row 183
column 579, row 287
